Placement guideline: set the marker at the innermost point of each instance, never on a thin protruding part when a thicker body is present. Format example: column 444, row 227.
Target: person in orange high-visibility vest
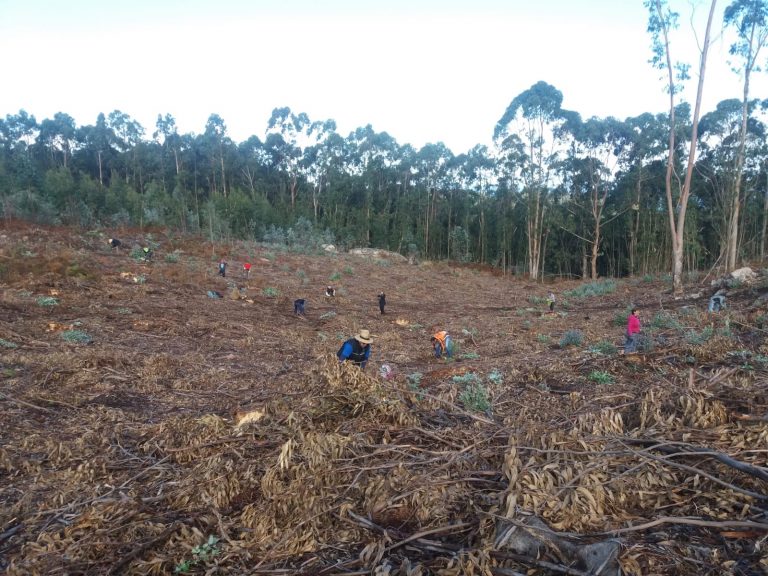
column 442, row 344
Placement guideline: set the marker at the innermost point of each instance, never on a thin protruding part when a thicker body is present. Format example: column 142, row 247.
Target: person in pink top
column 633, row 332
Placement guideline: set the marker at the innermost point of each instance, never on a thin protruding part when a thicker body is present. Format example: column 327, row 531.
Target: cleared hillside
column 149, row 428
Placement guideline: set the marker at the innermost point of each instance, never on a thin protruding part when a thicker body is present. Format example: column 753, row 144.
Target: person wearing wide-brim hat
column 357, row 349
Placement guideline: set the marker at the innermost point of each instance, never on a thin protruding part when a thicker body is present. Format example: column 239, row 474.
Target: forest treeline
column 554, row 194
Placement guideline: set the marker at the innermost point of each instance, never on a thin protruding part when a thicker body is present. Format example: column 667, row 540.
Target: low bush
column 571, row 338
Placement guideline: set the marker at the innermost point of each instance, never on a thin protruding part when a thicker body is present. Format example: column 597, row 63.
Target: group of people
column 223, row 268
column 115, row 244
column 330, row 292
column 357, row 349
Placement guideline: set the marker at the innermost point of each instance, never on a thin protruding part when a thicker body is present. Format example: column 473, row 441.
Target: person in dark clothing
column 382, row 301
column 717, row 302
column 357, row 350
column 114, row 243
column 298, row 306
column 330, row 291
column 223, row 268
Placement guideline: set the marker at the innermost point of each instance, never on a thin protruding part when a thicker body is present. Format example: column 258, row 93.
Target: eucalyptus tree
column 372, row 161
column 750, row 19
column 475, row 177
column 287, row 134
column 254, row 164
column 321, row 162
column 96, row 153
column 214, row 142
column 723, row 149
column 127, row 138
column 57, row 136
column 530, row 134
column 662, row 20
column 430, row 166
column 641, row 142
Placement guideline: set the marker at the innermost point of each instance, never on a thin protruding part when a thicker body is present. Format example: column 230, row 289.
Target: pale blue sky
column 421, row 70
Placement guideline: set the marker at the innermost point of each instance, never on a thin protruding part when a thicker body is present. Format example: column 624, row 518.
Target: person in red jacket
column 633, row 333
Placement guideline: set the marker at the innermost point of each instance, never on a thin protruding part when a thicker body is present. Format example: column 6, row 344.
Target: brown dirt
column 122, row 454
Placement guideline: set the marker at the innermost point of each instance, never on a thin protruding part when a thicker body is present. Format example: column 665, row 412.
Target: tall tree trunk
column 677, row 229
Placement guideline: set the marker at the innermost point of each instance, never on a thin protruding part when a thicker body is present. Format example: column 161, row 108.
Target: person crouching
column 442, row 344
column 357, row 349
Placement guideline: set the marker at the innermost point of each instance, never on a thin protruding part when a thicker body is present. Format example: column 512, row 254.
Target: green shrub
column 124, row 311
column 601, row 377
column 334, row 277
column 76, row 336
column 470, row 356
column 349, row 271
column 571, row 338
column 664, row 319
column 270, row 292
column 536, row 300
column 327, row 315
column 47, row 301
column 543, row 338
column 603, row 347
column 496, row 377
column 620, row 319
column 698, row 338
column 648, row 278
column 201, row 555
column 466, row 379
column 475, row 397
column 599, row 288
column 7, row 344
column 172, row 258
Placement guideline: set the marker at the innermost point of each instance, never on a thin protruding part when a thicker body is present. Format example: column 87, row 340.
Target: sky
column 424, row 71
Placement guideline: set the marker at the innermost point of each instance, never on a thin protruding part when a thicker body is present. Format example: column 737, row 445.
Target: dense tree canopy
column 556, row 194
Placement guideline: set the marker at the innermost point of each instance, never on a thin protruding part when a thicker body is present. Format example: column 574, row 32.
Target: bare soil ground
column 150, row 429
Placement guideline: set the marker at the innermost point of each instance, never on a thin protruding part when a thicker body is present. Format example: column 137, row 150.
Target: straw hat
column 364, row 337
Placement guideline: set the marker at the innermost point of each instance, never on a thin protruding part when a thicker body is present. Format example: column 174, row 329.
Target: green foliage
column 270, row 292
column 172, row 258
column 648, row 278
column 349, row 271
column 475, row 397
column 537, row 300
column 327, row 315
column 466, row 379
column 469, row 355
column 137, row 253
column 47, row 301
column 382, row 262
column 124, row 311
column 496, row 377
column 7, row 344
column 571, row 338
column 414, row 378
column 599, row 288
column 664, row 319
column 621, row 318
column 601, row 377
column 603, row 347
column 543, row 338
column 76, row 336
column 201, row 555
column 698, row 338
column 334, row 277
column 413, row 384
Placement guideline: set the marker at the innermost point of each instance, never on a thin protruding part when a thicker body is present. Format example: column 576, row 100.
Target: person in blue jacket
column 357, row 350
